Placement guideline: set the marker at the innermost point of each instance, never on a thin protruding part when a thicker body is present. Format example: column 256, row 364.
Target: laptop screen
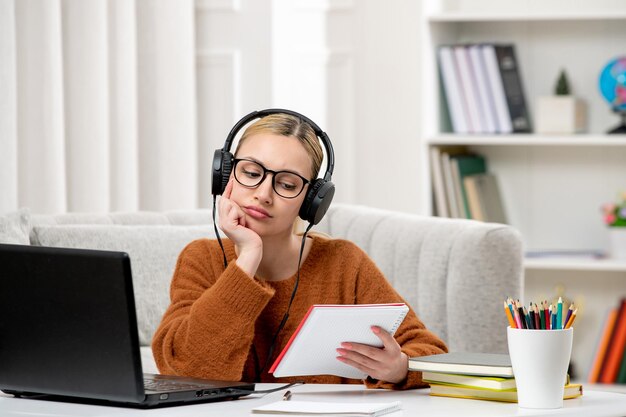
column 68, row 323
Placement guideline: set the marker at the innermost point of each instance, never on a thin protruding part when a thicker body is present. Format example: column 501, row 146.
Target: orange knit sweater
column 220, row 322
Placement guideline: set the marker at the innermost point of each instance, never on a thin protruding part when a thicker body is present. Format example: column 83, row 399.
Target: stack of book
column 462, row 186
column 483, row 88
column 480, row 376
column 609, row 360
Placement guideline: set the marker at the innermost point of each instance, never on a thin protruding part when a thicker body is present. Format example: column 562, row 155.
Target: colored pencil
column 518, row 320
column 559, row 314
column 508, row 316
column 569, row 313
column 531, row 316
column 522, row 317
column 571, row 319
column 537, row 319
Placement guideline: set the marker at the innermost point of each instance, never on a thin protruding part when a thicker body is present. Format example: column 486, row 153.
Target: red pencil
column 537, row 320
column 546, row 313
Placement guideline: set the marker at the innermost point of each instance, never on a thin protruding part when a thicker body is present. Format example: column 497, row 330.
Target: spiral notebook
column 311, row 350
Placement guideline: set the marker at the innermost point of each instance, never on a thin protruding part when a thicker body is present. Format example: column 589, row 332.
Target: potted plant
column 614, row 215
column 562, row 112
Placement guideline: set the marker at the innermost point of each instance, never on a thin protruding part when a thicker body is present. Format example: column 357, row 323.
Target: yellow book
column 456, row 391
column 469, row 381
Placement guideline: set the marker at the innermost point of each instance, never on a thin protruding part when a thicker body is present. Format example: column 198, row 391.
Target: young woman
column 222, row 320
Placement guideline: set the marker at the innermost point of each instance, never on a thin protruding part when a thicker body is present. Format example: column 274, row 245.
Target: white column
column 8, row 108
column 124, row 163
column 86, row 104
column 40, row 126
column 167, row 104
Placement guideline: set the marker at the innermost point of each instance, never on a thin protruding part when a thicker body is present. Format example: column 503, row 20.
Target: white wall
column 98, row 108
column 353, row 67
column 387, row 103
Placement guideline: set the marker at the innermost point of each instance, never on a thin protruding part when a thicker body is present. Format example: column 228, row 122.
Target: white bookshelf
column 552, row 185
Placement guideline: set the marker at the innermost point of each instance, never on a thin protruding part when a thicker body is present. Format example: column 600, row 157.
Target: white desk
column 414, row 403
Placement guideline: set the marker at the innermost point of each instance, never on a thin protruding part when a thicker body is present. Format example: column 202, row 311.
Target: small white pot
column 617, row 242
column 560, row 114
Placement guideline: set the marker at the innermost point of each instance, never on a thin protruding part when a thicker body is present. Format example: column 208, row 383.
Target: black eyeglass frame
column 265, row 171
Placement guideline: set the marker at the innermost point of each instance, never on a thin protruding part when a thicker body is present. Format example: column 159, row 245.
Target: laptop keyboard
column 164, row 385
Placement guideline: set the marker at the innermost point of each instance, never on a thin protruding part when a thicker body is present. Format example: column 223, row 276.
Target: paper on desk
column 327, row 409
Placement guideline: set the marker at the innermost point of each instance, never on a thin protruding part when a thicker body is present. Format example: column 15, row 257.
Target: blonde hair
column 290, row 126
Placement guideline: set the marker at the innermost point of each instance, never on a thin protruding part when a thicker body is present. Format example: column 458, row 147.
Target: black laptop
column 68, row 329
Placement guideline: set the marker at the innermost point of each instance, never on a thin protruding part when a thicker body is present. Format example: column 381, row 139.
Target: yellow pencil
column 571, row 319
column 508, row 316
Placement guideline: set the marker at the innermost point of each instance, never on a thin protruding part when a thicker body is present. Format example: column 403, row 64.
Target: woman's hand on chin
column 232, row 221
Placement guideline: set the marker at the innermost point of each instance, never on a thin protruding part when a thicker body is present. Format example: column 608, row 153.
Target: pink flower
column 609, row 218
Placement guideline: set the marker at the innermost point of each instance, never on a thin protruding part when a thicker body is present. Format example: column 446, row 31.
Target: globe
column 612, row 85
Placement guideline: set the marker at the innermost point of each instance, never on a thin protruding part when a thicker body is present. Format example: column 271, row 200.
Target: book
column 467, row 363
column 621, row 375
column 496, row 87
column 602, row 347
column 311, row 350
column 617, row 343
column 485, row 98
column 453, row 90
column 458, row 188
column 487, row 198
column 468, row 86
column 468, row 164
column 469, row 381
column 571, row 391
column 439, row 192
column 473, row 199
column 513, row 89
column 328, row 408
column 449, row 186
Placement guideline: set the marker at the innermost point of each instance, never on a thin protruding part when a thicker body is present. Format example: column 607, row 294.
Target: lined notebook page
column 327, row 408
column 312, row 348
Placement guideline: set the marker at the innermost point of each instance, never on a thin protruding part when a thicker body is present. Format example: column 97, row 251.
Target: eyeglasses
column 251, row 174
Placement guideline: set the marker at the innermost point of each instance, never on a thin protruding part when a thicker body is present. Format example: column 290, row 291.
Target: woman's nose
column 264, row 191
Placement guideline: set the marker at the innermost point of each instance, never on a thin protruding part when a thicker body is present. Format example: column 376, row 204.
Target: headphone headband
column 323, row 137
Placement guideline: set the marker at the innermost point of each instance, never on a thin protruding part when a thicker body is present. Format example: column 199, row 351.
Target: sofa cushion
column 14, row 227
column 153, row 251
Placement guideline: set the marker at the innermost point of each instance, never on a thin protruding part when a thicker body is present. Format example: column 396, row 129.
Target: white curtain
column 97, row 105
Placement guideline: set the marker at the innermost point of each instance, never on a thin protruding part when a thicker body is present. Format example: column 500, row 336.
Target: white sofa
column 454, row 273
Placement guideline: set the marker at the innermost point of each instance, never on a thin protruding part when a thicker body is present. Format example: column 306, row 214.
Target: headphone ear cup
column 227, row 167
column 222, row 166
column 317, row 201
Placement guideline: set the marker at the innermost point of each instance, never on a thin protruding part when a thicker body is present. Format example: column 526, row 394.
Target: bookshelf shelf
column 569, row 264
column 528, row 140
column 457, row 17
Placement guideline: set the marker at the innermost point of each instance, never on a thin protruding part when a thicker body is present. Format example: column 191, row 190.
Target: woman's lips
column 256, row 212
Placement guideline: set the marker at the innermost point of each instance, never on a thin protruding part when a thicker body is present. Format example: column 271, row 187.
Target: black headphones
column 320, row 192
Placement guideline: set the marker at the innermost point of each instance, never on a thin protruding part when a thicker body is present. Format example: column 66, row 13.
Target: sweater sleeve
column 412, row 336
column 210, row 308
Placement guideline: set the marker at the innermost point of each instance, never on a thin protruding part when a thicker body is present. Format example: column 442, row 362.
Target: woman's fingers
column 387, row 363
column 229, row 188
